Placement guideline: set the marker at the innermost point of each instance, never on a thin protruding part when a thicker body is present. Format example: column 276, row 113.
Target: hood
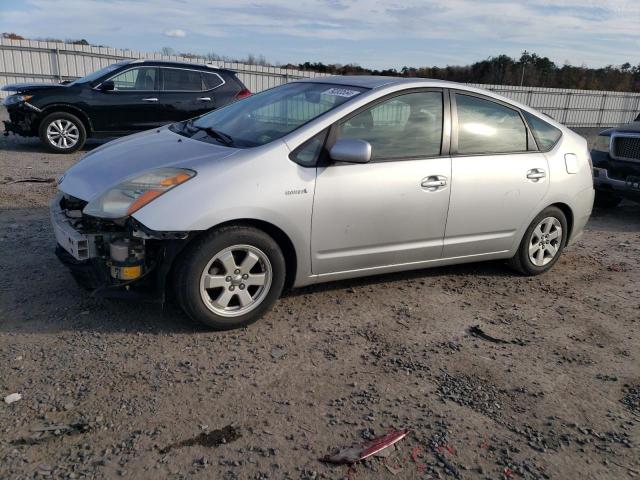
column 30, row 87
column 116, row 161
column 633, row 127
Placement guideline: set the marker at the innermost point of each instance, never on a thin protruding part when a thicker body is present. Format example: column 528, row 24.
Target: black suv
column 123, row 98
column 616, row 164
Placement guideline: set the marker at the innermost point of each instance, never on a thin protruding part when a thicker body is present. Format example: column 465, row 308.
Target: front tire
column 542, row 243
column 62, row 132
column 230, row 277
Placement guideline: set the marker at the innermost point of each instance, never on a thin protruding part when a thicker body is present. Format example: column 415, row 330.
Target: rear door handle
column 536, row 174
column 434, row 182
column 150, row 99
column 204, row 99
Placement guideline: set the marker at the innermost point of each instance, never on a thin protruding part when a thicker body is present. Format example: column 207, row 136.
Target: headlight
column 602, row 143
column 134, row 193
column 13, row 99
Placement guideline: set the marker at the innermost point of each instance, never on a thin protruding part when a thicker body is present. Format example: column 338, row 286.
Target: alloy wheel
column 63, row 133
column 236, row 280
column 545, row 241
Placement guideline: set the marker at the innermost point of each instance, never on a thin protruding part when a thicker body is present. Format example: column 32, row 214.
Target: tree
column 12, row 36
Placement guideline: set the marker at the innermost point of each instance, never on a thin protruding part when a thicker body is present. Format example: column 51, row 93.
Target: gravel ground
column 123, row 389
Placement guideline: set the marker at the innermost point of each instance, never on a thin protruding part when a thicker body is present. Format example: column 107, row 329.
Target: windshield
column 267, row 116
column 99, row 73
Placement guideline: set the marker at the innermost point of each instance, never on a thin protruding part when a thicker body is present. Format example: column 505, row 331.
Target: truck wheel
column 542, row 243
column 230, row 277
column 62, row 132
column 606, row 199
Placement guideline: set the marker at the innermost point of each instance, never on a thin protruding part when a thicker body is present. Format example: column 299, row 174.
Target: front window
column 406, row 126
column 269, row 115
column 136, row 79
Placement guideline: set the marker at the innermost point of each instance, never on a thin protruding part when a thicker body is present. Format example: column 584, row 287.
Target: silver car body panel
column 349, row 220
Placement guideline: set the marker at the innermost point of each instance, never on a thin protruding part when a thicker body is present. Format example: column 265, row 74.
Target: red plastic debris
column 360, row 452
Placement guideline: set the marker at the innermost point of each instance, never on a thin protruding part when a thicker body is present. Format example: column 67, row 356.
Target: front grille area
column 626, row 148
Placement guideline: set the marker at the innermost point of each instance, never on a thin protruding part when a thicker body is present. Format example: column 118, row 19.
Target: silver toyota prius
column 320, row 180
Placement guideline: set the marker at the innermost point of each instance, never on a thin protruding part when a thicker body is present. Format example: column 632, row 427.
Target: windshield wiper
column 218, row 135
column 222, row 137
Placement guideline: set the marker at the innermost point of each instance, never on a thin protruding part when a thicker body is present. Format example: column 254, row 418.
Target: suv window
column 488, row 127
column 546, row 134
column 142, row 78
column 405, row 126
column 174, row 79
column 211, row 80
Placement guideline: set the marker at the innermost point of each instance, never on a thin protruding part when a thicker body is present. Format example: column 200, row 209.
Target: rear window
column 546, row 134
column 486, row 127
column 174, row 79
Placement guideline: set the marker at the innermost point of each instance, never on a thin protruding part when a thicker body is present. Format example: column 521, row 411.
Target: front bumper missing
column 22, row 120
column 80, row 246
column 86, row 255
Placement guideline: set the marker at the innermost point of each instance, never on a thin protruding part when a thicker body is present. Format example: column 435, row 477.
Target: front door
column 133, row 105
column 393, row 209
column 498, row 177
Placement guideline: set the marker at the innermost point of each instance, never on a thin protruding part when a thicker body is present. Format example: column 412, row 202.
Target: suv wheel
column 230, row 277
column 62, row 132
column 542, row 243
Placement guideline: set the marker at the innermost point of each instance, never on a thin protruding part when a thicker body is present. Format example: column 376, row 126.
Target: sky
column 370, row 33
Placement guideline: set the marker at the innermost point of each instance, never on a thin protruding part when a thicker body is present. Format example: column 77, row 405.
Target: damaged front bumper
column 118, row 260
column 23, row 120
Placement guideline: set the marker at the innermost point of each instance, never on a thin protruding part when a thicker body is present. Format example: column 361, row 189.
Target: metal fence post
column 56, row 52
column 601, row 112
column 566, row 107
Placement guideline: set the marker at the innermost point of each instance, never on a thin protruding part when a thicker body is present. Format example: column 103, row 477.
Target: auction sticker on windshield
column 341, row 92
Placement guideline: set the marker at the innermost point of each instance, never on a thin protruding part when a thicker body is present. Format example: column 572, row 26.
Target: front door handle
column 204, row 99
column 434, row 182
column 536, row 174
column 150, row 99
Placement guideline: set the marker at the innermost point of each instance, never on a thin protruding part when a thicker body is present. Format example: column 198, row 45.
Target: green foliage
column 529, row 70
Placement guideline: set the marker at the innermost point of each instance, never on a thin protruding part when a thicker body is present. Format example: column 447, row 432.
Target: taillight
column 244, row 93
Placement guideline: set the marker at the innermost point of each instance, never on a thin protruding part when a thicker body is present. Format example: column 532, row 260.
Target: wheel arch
column 568, row 213
column 281, row 238
column 64, row 107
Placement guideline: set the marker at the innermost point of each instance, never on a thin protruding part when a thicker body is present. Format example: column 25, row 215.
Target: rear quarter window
column 211, row 80
column 546, row 135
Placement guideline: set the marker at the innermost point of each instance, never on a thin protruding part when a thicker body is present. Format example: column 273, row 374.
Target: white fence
column 35, row 61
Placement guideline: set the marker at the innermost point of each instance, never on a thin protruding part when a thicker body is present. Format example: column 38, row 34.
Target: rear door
column 133, row 105
column 187, row 93
column 392, row 210
column 498, row 176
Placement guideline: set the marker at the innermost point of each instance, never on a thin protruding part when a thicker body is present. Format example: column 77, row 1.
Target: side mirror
column 107, row 86
column 351, row 150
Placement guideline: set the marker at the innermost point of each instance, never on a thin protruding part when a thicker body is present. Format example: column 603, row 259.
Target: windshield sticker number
column 341, row 92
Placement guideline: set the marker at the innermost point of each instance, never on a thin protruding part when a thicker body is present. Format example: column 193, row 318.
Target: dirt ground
column 123, row 389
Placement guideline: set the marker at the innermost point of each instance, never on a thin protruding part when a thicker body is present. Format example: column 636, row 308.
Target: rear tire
column 230, row 277
column 606, row 199
column 62, row 132
column 542, row 243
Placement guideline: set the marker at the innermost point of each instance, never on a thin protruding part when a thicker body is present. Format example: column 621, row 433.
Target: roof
column 369, row 81
column 173, row 63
